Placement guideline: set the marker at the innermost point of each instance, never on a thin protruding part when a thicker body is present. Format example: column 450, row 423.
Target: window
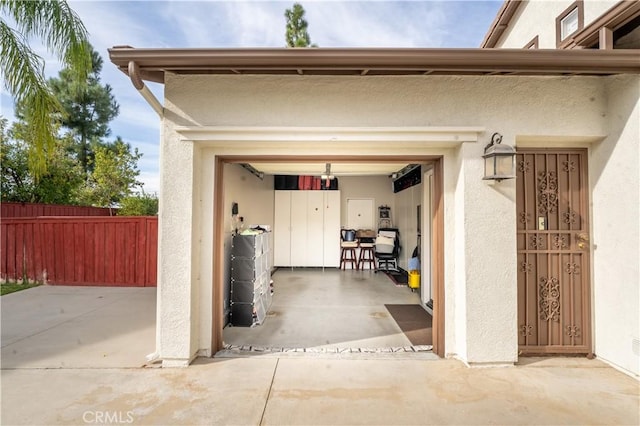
column 570, row 21
column 569, row 24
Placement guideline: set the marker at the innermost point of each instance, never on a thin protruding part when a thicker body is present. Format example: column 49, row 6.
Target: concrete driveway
column 78, row 327
column 71, row 355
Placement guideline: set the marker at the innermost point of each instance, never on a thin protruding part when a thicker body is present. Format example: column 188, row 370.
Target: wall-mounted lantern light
column 499, row 160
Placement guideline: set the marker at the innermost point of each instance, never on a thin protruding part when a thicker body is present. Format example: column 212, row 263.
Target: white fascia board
column 448, row 137
column 557, row 141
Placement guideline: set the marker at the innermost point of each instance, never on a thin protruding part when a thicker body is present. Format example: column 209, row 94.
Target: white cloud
column 151, row 181
column 150, row 154
column 331, row 23
column 225, row 24
column 192, row 24
column 137, row 113
column 6, row 106
column 375, row 24
column 256, row 24
column 112, row 23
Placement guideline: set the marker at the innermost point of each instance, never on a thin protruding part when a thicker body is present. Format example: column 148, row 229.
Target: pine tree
column 87, row 107
column 296, row 33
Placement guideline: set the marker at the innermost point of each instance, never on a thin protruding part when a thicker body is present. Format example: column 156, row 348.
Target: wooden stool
column 348, row 255
column 367, row 255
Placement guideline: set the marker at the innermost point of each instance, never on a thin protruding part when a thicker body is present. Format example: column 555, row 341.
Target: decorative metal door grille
column 553, row 252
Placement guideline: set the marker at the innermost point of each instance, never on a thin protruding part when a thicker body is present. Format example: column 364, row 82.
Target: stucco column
column 490, row 281
column 614, row 174
column 175, row 256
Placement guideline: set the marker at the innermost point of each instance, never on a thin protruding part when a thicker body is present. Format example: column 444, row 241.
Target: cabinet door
column 299, row 228
column 315, row 228
column 331, row 229
column 282, row 229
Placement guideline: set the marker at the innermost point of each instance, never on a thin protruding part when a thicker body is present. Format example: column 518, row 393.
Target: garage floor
column 313, row 308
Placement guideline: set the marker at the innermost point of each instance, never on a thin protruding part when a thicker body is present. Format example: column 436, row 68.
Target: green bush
column 139, row 205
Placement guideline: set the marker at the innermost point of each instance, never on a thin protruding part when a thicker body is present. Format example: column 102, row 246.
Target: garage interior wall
column 255, row 205
column 256, row 202
column 376, row 187
column 479, row 218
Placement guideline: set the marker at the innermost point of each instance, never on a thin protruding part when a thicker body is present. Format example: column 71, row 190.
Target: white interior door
column 360, row 213
column 331, row 229
column 315, row 228
column 426, row 292
column 402, row 204
column 282, row 228
column 299, row 228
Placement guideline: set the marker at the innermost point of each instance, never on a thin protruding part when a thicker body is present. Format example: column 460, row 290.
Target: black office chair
column 387, row 256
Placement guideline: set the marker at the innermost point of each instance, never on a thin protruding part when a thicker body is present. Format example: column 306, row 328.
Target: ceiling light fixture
column 327, row 173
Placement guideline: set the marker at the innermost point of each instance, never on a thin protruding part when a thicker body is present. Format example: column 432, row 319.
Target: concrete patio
column 74, row 357
column 78, row 327
column 252, row 391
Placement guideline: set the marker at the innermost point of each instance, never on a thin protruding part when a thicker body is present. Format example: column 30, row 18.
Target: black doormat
column 414, row 322
column 400, row 278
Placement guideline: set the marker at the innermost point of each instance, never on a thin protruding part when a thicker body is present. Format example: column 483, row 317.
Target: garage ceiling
column 337, row 169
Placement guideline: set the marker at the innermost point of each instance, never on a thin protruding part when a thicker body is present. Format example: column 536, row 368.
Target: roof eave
column 500, row 23
column 153, row 63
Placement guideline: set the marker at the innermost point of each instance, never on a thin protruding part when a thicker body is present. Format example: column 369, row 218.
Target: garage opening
column 330, row 286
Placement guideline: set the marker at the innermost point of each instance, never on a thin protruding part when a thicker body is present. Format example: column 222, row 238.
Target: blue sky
column 446, row 23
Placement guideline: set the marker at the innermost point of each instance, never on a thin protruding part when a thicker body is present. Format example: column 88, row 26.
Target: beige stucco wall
column 480, row 257
column 178, row 254
column 615, row 181
column 538, row 18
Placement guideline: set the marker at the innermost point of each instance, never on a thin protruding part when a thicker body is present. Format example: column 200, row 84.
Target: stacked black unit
column 292, row 183
column 250, row 279
column 409, row 179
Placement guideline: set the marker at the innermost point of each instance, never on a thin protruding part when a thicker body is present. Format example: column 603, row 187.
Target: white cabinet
column 298, row 222
column 315, row 230
column 282, row 229
column 331, row 229
column 307, row 228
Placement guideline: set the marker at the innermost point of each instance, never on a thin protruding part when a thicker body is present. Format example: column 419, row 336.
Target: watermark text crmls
column 99, row 417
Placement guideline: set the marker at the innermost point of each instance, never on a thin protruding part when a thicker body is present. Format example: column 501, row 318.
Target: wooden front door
column 553, row 252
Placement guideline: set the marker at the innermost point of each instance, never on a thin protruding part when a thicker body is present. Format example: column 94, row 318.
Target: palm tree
column 61, row 31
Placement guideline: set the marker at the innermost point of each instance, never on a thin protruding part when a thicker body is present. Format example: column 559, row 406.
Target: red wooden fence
column 101, row 251
column 35, row 209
